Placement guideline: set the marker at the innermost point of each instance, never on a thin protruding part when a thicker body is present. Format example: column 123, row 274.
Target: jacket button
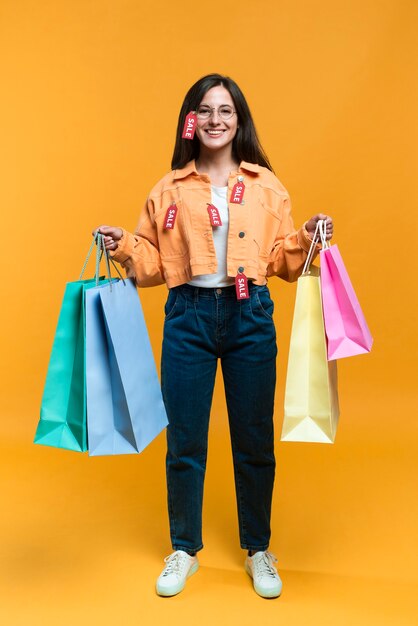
column 241, row 234
column 240, row 269
column 240, row 179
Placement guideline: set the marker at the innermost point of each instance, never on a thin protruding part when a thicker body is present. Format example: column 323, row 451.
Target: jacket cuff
column 125, row 247
column 305, row 241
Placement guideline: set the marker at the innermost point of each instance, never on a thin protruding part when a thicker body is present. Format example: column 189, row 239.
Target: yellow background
column 90, row 93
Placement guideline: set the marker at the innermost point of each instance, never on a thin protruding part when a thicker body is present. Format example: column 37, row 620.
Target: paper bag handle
column 315, row 240
column 100, row 251
column 323, row 234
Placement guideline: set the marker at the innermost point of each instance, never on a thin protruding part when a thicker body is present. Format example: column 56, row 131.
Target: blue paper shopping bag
column 125, row 409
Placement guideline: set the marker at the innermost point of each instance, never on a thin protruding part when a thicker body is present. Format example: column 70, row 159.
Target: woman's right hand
column 112, row 234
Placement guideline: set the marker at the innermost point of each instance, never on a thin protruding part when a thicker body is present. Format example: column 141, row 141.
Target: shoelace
column 175, row 562
column 264, row 565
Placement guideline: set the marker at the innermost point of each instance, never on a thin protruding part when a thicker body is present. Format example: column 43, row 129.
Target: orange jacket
column 262, row 240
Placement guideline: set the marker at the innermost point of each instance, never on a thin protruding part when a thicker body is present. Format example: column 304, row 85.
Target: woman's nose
column 214, row 118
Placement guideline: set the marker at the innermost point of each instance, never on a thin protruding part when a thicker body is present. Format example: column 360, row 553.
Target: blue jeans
column 201, row 326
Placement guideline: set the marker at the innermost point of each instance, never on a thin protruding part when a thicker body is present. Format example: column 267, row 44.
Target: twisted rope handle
column 100, row 251
column 88, row 256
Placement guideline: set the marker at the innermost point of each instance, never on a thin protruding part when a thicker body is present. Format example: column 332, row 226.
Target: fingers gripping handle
column 100, row 250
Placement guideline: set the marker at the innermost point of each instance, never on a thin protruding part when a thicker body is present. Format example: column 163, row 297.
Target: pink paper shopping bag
column 345, row 326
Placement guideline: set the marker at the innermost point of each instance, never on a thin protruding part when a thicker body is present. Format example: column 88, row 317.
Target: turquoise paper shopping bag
column 63, row 422
column 63, row 409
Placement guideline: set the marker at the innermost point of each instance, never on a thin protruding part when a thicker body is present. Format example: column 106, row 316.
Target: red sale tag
column 241, row 287
column 189, row 126
column 170, row 217
column 215, row 218
column 238, row 191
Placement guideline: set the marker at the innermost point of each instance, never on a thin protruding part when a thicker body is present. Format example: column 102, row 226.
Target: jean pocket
column 264, row 302
column 170, row 305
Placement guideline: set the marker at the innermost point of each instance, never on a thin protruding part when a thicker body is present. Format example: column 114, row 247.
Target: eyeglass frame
column 212, row 109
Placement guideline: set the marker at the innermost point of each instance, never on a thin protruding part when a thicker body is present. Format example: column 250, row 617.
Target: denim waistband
column 213, row 292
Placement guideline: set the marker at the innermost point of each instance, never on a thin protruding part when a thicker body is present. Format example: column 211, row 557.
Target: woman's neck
column 217, row 165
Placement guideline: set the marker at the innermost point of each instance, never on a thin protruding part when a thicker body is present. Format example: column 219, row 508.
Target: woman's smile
column 214, row 133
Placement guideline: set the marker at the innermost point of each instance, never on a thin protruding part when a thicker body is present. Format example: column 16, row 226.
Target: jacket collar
column 190, row 168
column 250, row 167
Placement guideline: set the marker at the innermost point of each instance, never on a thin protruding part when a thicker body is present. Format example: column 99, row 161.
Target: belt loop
column 196, row 294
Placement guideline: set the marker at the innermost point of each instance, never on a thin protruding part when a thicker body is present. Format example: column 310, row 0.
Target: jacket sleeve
column 139, row 253
column 290, row 247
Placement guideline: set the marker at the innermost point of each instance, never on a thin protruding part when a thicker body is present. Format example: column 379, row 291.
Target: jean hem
column 188, row 550
column 247, row 546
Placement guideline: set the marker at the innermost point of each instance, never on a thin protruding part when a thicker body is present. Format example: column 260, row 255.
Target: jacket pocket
column 266, row 227
column 173, row 242
column 271, row 211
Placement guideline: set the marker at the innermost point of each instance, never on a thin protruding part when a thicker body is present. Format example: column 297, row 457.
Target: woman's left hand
column 329, row 225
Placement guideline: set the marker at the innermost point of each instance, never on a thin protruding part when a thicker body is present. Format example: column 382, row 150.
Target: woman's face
column 215, row 133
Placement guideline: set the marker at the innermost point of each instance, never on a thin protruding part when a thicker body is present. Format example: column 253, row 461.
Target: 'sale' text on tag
column 214, row 216
column 170, row 217
column 189, row 126
column 241, row 287
column 237, row 194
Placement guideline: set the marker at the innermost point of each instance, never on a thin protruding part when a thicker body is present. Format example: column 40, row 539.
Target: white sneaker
column 266, row 579
column 172, row 579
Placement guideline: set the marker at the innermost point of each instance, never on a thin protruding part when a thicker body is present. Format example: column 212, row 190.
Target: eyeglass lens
column 224, row 111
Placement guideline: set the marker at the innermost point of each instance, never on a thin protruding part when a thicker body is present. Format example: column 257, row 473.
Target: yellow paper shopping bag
column 311, row 397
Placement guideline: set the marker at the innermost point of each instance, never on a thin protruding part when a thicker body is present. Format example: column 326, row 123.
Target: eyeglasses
column 225, row 111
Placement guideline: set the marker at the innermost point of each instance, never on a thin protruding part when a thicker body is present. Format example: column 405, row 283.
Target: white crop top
column 220, row 239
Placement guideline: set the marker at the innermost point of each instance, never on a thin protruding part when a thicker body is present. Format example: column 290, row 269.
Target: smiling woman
column 211, row 92
column 217, row 121
column 213, row 229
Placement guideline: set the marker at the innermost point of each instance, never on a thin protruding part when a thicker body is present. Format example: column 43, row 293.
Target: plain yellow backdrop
column 90, row 94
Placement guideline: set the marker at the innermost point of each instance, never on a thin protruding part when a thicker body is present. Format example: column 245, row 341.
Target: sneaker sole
column 268, row 593
column 166, row 593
